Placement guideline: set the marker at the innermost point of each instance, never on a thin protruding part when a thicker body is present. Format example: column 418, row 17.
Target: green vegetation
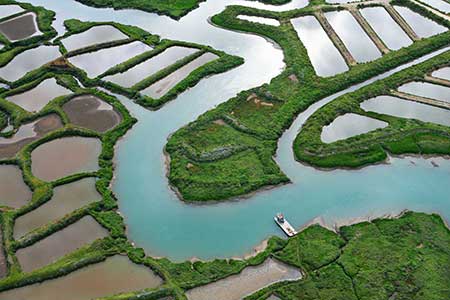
column 404, row 258
column 173, row 8
column 205, row 165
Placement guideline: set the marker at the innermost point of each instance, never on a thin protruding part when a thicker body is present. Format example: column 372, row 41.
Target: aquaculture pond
column 387, row 29
column 443, row 73
column 324, row 56
column 95, row 35
column 39, row 96
column 250, row 280
column 441, row 5
column 161, row 87
column 65, row 200
column 19, row 28
column 428, row 90
column 407, row 109
column 28, row 61
column 422, row 26
column 28, row 133
column 95, row 63
column 262, row 20
column 235, row 227
column 150, row 66
column 353, row 36
column 73, row 154
column 115, row 275
column 13, row 190
column 60, row 243
column 349, row 125
column 91, row 112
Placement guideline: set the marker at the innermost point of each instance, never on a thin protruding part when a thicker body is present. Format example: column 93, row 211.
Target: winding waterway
column 164, row 226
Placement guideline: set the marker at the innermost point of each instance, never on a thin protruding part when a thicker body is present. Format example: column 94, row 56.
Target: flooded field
column 95, row 35
column 28, row 61
column 95, row 63
column 250, row 280
column 8, row 10
column 115, row 275
column 349, row 125
column 386, row 28
column 353, row 36
column 13, row 190
column 428, row 90
column 63, row 242
column 28, row 133
column 91, row 112
column 441, row 5
column 422, row 26
column 407, row 109
column 73, row 154
column 151, row 66
column 38, row 97
column 20, row 27
column 160, row 88
column 443, row 73
column 262, row 20
column 324, row 56
column 66, row 199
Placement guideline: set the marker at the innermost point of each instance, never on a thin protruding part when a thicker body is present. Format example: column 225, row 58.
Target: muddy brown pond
column 115, row 275
column 13, row 190
column 28, row 133
column 91, row 112
column 73, row 154
column 60, row 243
column 20, row 27
column 66, row 199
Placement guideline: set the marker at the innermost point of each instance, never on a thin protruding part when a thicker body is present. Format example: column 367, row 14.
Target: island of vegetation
column 406, row 257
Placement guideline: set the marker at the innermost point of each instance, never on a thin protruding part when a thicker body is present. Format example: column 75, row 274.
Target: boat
column 284, row 225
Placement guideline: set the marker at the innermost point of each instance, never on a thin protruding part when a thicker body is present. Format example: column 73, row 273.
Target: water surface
column 250, row 280
column 66, row 199
column 353, row 36
column 60, row 243
column 428, row 90
column 150, row 66
column 91, row 112
column 161, row 87
column 8, row 10
column 39, row 96
column 13, row 190
column 95, row 63
column 115, row 275
column 349, row 125
column 324, row 56
column 386, row 28
column 95, row 35
column 443, row 6
column 422, row 26
column 262, row 20
column 73, row 154
column 407, row 109
column 443, row 73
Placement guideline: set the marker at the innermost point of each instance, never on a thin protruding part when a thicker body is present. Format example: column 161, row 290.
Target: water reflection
column 428, row 90
column 95, row 35
column 422, row 26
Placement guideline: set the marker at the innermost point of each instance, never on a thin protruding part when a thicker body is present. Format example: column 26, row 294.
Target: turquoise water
column 164, row 226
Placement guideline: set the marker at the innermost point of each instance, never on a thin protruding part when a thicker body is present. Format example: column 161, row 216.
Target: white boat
column 284, row 225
